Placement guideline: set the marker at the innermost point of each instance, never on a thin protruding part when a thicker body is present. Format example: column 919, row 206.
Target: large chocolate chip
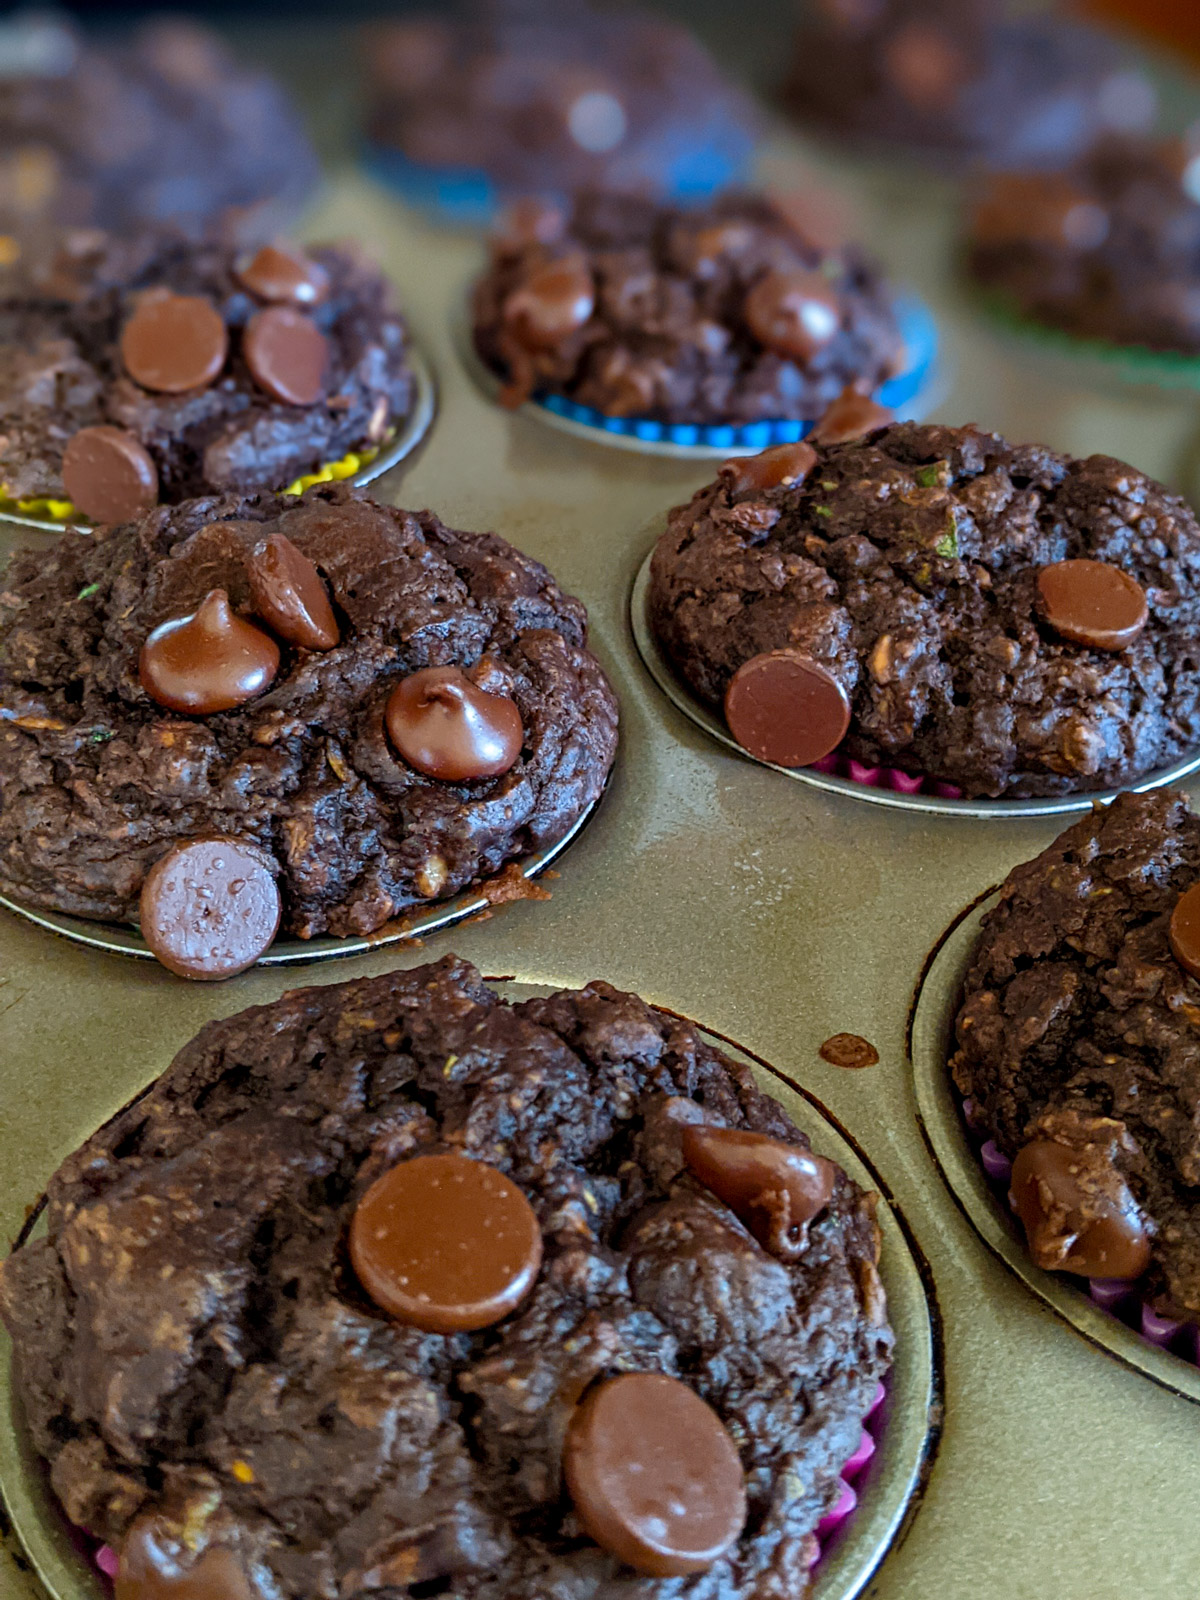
column 1092, row 603
column 1078, row 1212
column 209, row 661
column 174, row 342
column 1185, row 931
column 446, row 727
column 553, row 303
column 445, row 1243
column 109, row 474
column 784, row 707
column 156, row 1564
column 655, row 1477
column 848, row 417
column 289, row 596
column 285, row 276
column 210, row 907
column 793, row 313
column 776, row 1189
column 287, row 355
column 783, row 466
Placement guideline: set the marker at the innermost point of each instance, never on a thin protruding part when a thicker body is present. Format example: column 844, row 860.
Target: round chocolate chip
column 655, row 1477
column 284, row 275
column 776, row 1189
column 795, row 314
column 1078, row 1212
column 210, row 907
column 445, row 1243
column 1185, row 931
column 209, row 661
column 287, row 355
column 553, row 303
column 1092, row 603
column 289, row 596
column 109, row 474
column 156, row 1564
column 785, row 708
column 783, row 466
column 848, row 417
column 446, row 727
column 174, row 342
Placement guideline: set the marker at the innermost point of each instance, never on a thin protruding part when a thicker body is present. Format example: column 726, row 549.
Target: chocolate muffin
column 165, row 127
column 242, row 1349
column 148, row 367
column 960, row 83
column 728, row 314
column 548, row 97
column 1108, row 250
column 1076, row 1046
column 939, row 601
column 379, row 709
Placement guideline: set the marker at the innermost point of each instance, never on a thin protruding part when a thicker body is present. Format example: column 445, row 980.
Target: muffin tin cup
column 403, row 442
column 887, row 1477
column 1108, row 1314
column 838, row 774
column 911, row 396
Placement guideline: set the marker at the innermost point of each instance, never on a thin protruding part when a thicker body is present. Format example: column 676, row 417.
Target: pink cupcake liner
column 837, row 765
column 1120, row 1298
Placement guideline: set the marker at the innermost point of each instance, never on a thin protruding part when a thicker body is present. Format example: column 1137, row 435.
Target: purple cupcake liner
column 838, row 765
column 1118, row 1297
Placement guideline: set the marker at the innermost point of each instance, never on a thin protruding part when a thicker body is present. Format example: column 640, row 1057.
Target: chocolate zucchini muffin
column 1076, row 1045
column 167, row 127
column 149, row 367
column 1109, row 249
column 995, row 616
column 723, row 315
column 375, row 709
column 387, row 1285
column 960, row 83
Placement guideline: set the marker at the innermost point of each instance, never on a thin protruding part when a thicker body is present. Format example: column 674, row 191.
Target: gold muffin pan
column 931, row 1044
column 889, row 1489
column 703, row 715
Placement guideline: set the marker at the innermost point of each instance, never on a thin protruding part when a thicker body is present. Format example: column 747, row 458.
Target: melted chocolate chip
column 109, row 474
column 785, row 708
column 1092, row 603
column 553, row 303
column 1078, row 1212
column 447, row 728
column 795, row 314
column 284, row 275
column 174, row 342
column 776, row 1189
column 209, row 661
column 210, row 907
column 783, row 466
column 848, row 417
column 155, row 1564
column 289, row 596
column 445, row 1243
column 654, row 1476
column 287, row 355
column 1185, row 931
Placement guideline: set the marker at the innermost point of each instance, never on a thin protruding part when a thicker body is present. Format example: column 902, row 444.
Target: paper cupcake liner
column 842, row 766
column 1120, row 1298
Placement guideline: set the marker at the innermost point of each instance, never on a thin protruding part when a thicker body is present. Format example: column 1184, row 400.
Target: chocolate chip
column 1042, row 207
column 848, row 417
column 785, row 708
column 654, row 1476
column 1092, row 603
column 1185, row 931
column 156, row 1564
column 795, row 314
column 109, row 474
column 210, row 907
column 174, row 342
column 1078, row 1212
column 925, row 65
column 554, row 302
column 783, row 466
column 849, row 1050
column 285, row 276
column 445, row 1243
column 776, row 1189
column 209, row 661
column 288, row 594
column 287, row 355
column 446, row 727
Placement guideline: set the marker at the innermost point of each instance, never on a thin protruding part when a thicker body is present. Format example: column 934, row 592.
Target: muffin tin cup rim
column 681, row 697
column 409, row 435
column 939, row 1117
column 889, row 1491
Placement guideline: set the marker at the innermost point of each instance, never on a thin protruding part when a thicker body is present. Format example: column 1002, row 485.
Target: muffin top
column 1109, row 249
column 1077, row 1045
column 550, row 97
column 236, row 1378
column 940, row 586
column 190, row 367
column 962, row 83
column 168, row 127
column 727, row 314
column 286, row 713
